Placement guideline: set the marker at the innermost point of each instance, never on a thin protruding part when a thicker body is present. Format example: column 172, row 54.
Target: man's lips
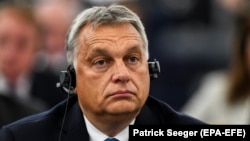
column 124, row 93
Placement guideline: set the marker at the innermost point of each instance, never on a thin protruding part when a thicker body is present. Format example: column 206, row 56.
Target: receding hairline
column 101, row 15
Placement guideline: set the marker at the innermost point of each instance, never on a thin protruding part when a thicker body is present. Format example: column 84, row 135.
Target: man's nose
column 120, row 72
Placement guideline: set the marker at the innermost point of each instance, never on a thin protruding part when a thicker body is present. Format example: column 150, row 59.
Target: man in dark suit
column 24, row 90
column 107, row 81
column 19, row 45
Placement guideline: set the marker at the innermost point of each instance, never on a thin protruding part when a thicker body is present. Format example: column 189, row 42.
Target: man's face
column 54, row 23
column 112, row 71
column 17, row 45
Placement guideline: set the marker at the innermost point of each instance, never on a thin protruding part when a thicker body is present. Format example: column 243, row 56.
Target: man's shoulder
column 165, row 114
column 51, row 117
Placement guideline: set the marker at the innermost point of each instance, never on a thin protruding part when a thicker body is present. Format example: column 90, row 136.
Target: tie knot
column 111, row 139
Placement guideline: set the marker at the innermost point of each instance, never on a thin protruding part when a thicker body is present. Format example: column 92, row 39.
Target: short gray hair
column 99, row 15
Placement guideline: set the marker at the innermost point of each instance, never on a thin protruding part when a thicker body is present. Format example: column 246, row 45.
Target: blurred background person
column 54, row 17
column 19, row 79
column 224, row 96
column 18, row 46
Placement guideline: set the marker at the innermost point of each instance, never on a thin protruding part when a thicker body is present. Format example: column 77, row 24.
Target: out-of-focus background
column 190, row 38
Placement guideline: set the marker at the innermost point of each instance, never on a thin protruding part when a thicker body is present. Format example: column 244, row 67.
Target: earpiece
column 68, row 78
column 154, row 69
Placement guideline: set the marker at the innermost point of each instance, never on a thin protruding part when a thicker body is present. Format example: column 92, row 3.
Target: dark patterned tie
column 111, row 139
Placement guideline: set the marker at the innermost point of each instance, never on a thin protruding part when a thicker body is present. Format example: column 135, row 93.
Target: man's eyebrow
column 99, row 51
column 105, row 52
column 134, row 48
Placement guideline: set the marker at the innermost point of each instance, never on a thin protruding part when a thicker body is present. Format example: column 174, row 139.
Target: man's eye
column 100, row 63
column 133, row 60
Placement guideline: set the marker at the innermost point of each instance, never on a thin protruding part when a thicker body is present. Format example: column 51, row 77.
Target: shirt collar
column 22, row 87
column 96, row 135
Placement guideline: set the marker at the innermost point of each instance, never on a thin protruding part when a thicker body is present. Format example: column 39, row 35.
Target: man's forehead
column 125, row 27
column 108, row 32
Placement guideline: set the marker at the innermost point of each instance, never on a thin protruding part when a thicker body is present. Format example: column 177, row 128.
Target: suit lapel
column 146, row 117
column 74, row 125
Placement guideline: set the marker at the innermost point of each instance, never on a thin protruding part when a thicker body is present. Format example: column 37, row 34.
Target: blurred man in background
column 19, row 80
column 54, row 18
column 18, row 47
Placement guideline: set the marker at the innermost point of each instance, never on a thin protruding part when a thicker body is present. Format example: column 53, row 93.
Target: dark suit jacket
column 44, row 95
column 12, row 109
column 46, row 126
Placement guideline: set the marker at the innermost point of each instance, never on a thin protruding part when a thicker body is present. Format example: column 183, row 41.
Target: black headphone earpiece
column 68, row 80
column 68, row 77
column 154, row 69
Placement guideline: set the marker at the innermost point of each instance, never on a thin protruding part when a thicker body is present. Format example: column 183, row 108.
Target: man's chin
column 124, row 108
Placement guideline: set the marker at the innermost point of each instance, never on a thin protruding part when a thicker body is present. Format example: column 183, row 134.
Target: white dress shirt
column 22, row 87
column 96, row 135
